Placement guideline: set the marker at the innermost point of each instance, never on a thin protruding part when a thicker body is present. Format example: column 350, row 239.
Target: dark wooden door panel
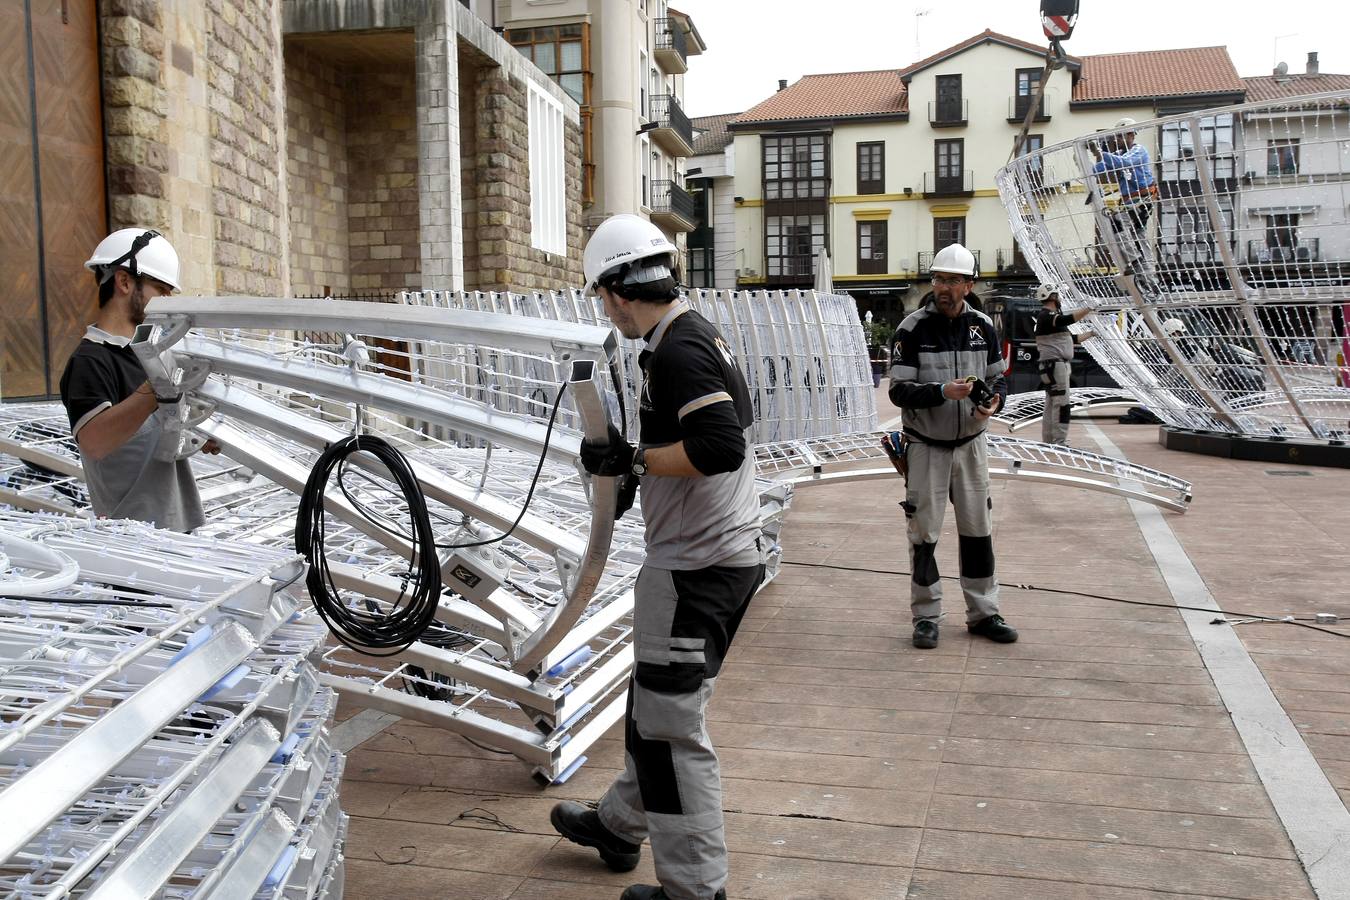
column 53, row 215
column 70, row 124
column 22, row 367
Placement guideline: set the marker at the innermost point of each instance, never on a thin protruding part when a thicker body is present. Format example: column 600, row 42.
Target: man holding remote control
column 947, row 378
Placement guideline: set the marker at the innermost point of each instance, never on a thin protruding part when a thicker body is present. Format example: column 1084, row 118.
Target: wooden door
column 52, row 201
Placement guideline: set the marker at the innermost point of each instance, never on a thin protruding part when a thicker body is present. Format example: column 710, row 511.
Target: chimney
column 782, row 82
column 1312, row 62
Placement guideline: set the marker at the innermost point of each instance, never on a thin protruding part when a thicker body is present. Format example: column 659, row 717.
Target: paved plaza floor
column 1104, row 755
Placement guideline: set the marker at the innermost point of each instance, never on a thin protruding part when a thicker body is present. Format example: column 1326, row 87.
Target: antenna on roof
column 1282, row 69
column 918, row 14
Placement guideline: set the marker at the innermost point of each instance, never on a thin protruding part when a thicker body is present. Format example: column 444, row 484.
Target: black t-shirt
column 1052, row 323
column 98, row 376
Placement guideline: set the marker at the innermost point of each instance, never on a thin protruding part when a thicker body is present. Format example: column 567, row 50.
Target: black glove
column 613, row 457
column 623, row 500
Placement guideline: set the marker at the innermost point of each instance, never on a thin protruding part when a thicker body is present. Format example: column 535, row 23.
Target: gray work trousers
column 1055, row 420
column 961, row 474
column 671, row 787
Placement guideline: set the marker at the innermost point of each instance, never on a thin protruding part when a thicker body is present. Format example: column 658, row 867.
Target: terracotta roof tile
column 1268, row 87
column 837, row 95
column 1157, row 73
column 986, row 35
column 711, row 135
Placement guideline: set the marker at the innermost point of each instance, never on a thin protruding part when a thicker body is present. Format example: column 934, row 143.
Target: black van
column 1015, row 319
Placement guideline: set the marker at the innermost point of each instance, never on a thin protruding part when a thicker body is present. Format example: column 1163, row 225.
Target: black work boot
column 581, row 825
column 994, row 628
column 653, row 892
column 925, row 634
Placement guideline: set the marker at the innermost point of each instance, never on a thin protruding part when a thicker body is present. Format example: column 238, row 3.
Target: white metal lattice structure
column 166, row 734
column 1022, row 410
column 1222, row 303
column 844, row 458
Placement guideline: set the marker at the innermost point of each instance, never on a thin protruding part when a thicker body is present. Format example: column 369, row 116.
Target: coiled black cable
column 373, row 629
column 394, row 629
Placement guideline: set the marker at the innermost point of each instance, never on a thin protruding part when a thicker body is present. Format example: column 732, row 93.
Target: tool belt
column 896, row 445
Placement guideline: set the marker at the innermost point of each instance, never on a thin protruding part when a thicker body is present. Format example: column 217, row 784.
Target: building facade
column 286, row 147
column 711, row 177
column 882, row 169
column 623, row 62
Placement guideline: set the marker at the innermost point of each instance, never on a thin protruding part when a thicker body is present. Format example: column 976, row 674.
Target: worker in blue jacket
column 1131, row 167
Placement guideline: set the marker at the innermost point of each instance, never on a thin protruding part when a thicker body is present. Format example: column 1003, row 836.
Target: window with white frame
column 644, row 107
column 548, row 183
column 645, row 170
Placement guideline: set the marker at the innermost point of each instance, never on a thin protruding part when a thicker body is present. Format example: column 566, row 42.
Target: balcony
column 948, row 115
column 944, row 185
column 670, row 127
column 673, row 207
column 926, row 260
column 672, row 46
column 1012, row 262
column 1259, row 253
column 1018, row 105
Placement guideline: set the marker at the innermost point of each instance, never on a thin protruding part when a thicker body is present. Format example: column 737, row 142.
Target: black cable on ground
column 1031, row 587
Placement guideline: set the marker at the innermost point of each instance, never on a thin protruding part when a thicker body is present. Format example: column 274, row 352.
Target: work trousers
column 961, row 474
column 1055, row 419
column 671, row 787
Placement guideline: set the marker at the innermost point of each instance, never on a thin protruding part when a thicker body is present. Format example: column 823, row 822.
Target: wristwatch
column 640, row 462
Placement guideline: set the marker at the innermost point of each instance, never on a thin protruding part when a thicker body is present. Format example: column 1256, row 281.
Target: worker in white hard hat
column 1054, row 351
column 703, row 564
column 1122, row 159
column 114, row 413
column 947, row 378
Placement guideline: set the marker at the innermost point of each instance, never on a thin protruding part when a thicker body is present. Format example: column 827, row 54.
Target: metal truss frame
column 1022, row 410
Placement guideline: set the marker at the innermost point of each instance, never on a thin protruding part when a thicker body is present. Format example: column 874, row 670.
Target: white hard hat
column 1046, row 291
column 620, row 239
column 141, row 251
column 955, row 259
column 1126, row 122
column 1174, row 326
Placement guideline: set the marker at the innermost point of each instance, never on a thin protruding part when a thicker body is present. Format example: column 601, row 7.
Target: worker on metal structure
column 703, row 564
column 114, row 413
column 1054, row 348
column 1128, row 163
column 947, row 378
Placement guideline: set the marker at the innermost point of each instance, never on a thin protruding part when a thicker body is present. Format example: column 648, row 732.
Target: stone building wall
column 134, row 110
column 383, row 224
column 243, row 49
column 506, row 261
column 317, row 175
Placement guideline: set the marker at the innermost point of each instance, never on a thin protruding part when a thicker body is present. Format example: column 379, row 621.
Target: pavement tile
column 368, row 880
column 1210, row 741
column 447, row 847
column 1091, row 822
column 1142, row 792
column 1108, row 863
column 1094, row 710
column 829, row 717
column 1090, row 689
column 1095, row 671
column 930, row 885
column 1109, row 760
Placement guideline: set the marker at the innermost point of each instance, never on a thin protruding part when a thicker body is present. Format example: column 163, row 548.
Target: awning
column 1281, row 210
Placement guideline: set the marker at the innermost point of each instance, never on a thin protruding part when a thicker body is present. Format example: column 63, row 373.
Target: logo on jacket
column 976, row 336
column 725, row 350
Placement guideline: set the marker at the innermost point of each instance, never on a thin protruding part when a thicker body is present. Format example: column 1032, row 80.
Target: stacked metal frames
column 165, row 731
column 1227, row 310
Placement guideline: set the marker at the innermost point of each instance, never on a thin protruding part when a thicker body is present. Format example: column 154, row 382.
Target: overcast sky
column 753, row 43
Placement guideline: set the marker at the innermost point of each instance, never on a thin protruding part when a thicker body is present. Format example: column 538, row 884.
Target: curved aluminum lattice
column 1228, row 310
column 1022, row 410
column 834, row 460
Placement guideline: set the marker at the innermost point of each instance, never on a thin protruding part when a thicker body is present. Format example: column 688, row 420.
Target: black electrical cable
column 396, row 626
column 1048, row 590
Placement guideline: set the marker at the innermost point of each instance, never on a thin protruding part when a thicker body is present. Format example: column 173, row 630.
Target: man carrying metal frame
column 1054, row 348
column 114, row 412
column 703, row 564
